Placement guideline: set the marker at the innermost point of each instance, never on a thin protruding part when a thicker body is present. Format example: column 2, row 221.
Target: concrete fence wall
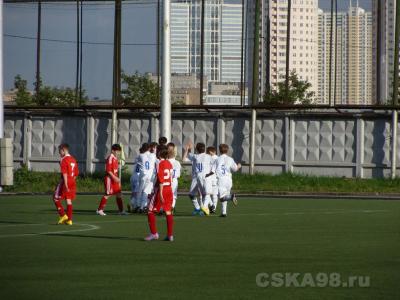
column 351, row 144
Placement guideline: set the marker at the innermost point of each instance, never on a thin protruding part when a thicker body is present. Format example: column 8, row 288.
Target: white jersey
column 201, row 164
column 225, row 165
column 176, row 166
column 146, row 164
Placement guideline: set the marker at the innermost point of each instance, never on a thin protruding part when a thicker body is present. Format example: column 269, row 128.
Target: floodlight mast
column 165, row 117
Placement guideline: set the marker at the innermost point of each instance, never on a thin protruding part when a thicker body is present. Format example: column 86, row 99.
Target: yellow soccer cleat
column 205, row 210
column 69, row 222
column 62, row 219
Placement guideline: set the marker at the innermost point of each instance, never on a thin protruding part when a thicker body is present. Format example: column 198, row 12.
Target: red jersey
column 164, row 173
column 112, row 165
column 69, row 166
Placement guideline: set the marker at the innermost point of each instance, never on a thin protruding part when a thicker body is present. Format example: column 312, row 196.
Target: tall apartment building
column 351, row 56
column 223, row 39
column 387, row 17
column 303, row 55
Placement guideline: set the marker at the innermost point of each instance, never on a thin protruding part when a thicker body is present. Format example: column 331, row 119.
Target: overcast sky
column 59, row 58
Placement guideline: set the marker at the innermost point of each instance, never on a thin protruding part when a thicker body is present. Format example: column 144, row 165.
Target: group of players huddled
column 154, row 182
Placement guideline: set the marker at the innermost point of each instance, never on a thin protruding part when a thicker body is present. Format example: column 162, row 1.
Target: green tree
column 139, row 90
column 298, row 92
column 23, row 97
column 47, row 96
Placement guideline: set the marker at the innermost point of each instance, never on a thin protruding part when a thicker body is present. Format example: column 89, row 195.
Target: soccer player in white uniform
column 224, row 168
column 134, row 204
column 213, row 177
column 201, row 169
column 176, row 171
column 146, row 163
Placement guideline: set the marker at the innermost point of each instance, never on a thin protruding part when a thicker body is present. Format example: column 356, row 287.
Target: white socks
column 207, row 201
column 215, row 200
column 195, row 203
column 224, row 207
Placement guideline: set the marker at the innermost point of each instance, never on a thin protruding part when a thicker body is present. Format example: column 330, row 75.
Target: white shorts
column 201, row 185
column 214, row 184
column 146, row 185
column 135, row 183
column 224, row 186
column 175, row 187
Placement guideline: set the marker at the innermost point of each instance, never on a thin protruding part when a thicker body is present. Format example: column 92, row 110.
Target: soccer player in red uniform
column 163, row 197
column 66, row 188
column 112, row 182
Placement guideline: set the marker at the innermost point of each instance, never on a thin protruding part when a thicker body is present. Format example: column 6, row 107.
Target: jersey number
column 223, row 169
column 147, row 165
column 167, row 173
column 199, row 167
column 72, row 169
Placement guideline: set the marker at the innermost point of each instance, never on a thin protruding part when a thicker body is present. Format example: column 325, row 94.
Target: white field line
column 90, row 227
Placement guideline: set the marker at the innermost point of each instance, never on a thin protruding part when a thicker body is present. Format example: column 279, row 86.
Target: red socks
column 60, row 208
column 152, row 222
column 170, row 225
column 103, row 203
column 120, row 204
column 69, row 211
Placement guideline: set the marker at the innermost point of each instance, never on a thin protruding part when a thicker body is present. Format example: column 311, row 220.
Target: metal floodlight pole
column 336, row 53
column 255, row 85
column 165, row 118
column 81, row 52
column 158, row 45
column 378, row 25
column 330, row 57
column 202, row 38
column 396, row 56
column 242, row 56
column 1, row 73
column 78, row 44
column 117, row 54
column 38, row 42
column 289, row 13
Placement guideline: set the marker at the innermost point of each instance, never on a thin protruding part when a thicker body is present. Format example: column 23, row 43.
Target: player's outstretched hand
column 239, row 166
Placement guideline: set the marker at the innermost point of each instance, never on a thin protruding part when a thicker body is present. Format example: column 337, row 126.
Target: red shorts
column 155, row 204
column 111, row 187
column 61, row 193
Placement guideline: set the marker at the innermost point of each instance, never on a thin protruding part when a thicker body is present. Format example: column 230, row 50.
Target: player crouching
column 225, row 165
column 112, row 182
column 66, row 188
column 163, row 197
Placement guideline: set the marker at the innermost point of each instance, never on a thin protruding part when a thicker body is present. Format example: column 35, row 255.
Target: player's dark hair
column 211, row 149
column 64, row 146
column 223, row 148
column 200, row 147
column 145, row 147
column 152, row 146
column 116, row 147
column 162, row 151
column 162, row 140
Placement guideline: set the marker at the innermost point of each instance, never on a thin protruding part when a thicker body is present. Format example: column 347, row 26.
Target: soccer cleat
column 62, row 219
column 205, row 210
column 212, row 209
column 151, row 237
column 223, row 215
column 123, row 213
column 69, row 222
column 197, row 212
column 101, row 212
column 169, row 238
column 234, row 200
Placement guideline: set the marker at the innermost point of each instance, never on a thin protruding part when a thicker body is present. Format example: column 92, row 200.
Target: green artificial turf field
column 211, row 258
